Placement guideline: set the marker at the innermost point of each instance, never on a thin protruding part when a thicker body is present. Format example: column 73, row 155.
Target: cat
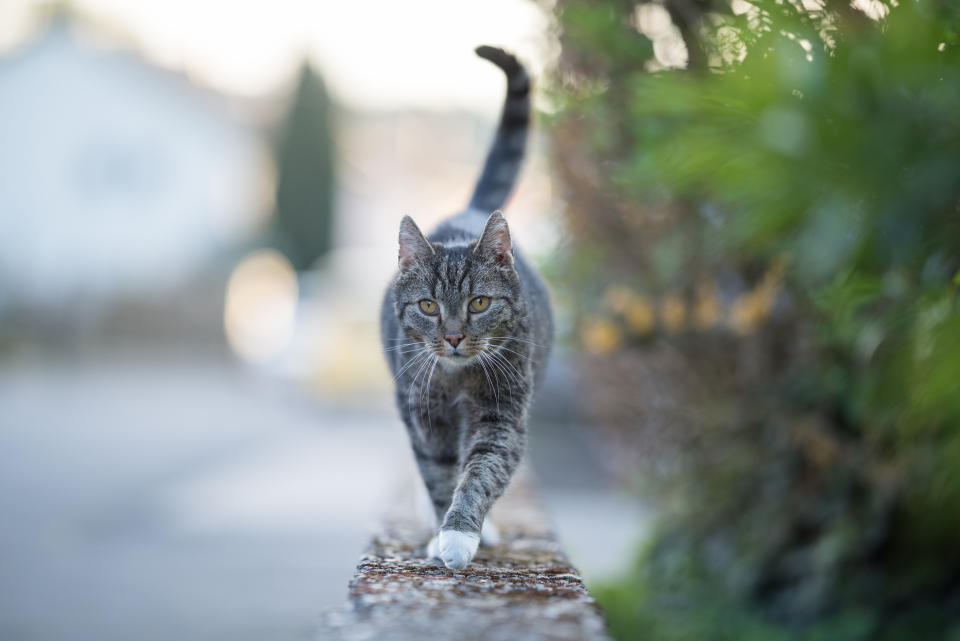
column 466, row 326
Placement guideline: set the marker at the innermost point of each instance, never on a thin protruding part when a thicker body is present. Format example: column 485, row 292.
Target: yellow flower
column 708, row 312
column 673, row 313
column 640, row 316
column 600, row 336
column 750, row 310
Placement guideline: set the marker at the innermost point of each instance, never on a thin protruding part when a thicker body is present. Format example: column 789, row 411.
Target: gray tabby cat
column 466, row 326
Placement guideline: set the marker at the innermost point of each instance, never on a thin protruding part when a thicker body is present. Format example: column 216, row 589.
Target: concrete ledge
column 523, row 588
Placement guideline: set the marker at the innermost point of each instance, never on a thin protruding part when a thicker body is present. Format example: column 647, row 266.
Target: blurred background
column 749, row 215
column 199, row 205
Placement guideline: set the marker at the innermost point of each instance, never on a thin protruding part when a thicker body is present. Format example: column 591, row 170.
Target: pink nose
column 453, row 339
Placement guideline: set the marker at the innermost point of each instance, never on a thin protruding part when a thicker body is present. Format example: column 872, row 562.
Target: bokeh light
column 260, row 309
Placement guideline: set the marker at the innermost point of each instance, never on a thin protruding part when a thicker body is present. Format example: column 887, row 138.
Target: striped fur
column 465, row 406
column 506, row 154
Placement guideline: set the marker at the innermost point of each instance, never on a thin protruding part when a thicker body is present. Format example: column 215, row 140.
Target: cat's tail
column 506, row 154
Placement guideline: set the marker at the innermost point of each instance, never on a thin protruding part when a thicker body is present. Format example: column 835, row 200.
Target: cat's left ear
column 414, row 247
column 495, row 243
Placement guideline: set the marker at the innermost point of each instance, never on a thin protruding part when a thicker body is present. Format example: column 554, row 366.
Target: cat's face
column 455, row 300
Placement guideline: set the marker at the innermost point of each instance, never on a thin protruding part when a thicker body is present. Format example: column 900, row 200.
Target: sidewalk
column 157, row 501
column 150, row 499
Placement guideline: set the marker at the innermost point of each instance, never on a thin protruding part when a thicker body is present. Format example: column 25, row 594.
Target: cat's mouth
column 458, row 355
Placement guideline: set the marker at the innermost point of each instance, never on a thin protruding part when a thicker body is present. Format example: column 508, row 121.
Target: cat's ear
column 495, row 243
column 414, row 247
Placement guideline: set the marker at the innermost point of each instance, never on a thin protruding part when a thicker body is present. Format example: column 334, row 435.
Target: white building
column 117, row 178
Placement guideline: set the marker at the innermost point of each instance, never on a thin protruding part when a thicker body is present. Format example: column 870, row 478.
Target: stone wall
column 522, row 589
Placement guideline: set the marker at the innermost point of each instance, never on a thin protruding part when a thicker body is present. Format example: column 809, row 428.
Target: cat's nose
column 453, row 339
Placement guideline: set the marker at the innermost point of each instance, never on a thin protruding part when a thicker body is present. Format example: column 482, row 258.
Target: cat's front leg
column 493, row 451
column 438, row 469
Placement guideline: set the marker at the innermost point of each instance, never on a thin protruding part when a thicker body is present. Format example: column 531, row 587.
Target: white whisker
column 518, row 376
column 407, row 344
column 496, row 395
column 412, row 349
column 497, row 367
column 399, row 347
column 436, row 359
column 513, row 338
column 512, row 351
column 420, row 369
column 493, row 370
column 410, row 362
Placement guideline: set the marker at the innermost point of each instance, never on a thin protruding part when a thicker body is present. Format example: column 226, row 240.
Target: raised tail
column 506, row 154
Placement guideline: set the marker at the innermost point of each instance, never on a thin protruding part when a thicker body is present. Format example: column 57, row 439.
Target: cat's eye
column 480, row 303
column 428, row 307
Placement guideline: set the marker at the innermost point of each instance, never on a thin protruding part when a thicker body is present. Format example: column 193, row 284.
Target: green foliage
column 306, row 174
column 828, row 506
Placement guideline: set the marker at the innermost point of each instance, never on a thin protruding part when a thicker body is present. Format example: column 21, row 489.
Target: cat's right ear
column 414, row 247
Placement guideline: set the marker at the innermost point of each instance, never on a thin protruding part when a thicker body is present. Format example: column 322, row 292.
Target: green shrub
column 802, row 176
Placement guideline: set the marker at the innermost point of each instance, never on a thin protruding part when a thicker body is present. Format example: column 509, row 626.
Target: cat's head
column 455, row 300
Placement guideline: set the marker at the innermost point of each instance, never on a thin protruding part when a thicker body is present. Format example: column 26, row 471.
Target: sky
column 377, row 54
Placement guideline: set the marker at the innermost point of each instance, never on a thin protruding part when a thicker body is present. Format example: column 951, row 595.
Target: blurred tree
column 773, row 236
column 306, row 174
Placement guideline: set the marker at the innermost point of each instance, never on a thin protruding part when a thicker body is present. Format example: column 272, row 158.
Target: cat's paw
column 456, row 549
column 433, row 548
column 489, row 534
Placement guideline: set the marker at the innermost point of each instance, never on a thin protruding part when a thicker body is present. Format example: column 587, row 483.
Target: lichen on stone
column 523, row 588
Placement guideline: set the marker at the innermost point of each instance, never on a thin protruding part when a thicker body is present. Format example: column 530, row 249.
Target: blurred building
column 117, row 178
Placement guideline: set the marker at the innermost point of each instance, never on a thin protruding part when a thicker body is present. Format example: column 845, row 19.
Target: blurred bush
column 766, row 248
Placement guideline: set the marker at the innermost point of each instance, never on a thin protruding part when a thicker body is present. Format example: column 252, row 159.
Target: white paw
column 433, row 548
column 489, row 534
column 456, row 548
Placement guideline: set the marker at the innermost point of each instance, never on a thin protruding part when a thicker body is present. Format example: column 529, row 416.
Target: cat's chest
column 458, row 387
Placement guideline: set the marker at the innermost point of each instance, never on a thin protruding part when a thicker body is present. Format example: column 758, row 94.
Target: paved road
column 149, row 499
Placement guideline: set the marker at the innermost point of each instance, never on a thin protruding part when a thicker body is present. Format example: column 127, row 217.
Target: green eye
column 428, row 307
column 480, row 303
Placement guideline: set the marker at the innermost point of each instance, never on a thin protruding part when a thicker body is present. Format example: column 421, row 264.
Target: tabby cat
column 466, row 328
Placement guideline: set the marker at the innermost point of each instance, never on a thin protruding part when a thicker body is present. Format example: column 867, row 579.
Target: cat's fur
column 464, row 379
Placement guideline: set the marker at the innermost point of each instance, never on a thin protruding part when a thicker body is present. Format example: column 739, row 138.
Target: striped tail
column 505, row 156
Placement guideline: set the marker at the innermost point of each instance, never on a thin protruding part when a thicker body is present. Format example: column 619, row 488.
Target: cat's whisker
column 407, row 364
column 513, row 351
column 436, row 359
column 518, row 376
column 413, row 349
column 404, row 348
column 507, row 339
column 498, row 367
column 516, row 381
column 396, row 347
column 423, row 388
column 407, row 343
column 498, row 346
column 426, row 366
column 411, row 359
column 494, row 370
column 493, row 391
column 513, row 338
column 420, row 370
